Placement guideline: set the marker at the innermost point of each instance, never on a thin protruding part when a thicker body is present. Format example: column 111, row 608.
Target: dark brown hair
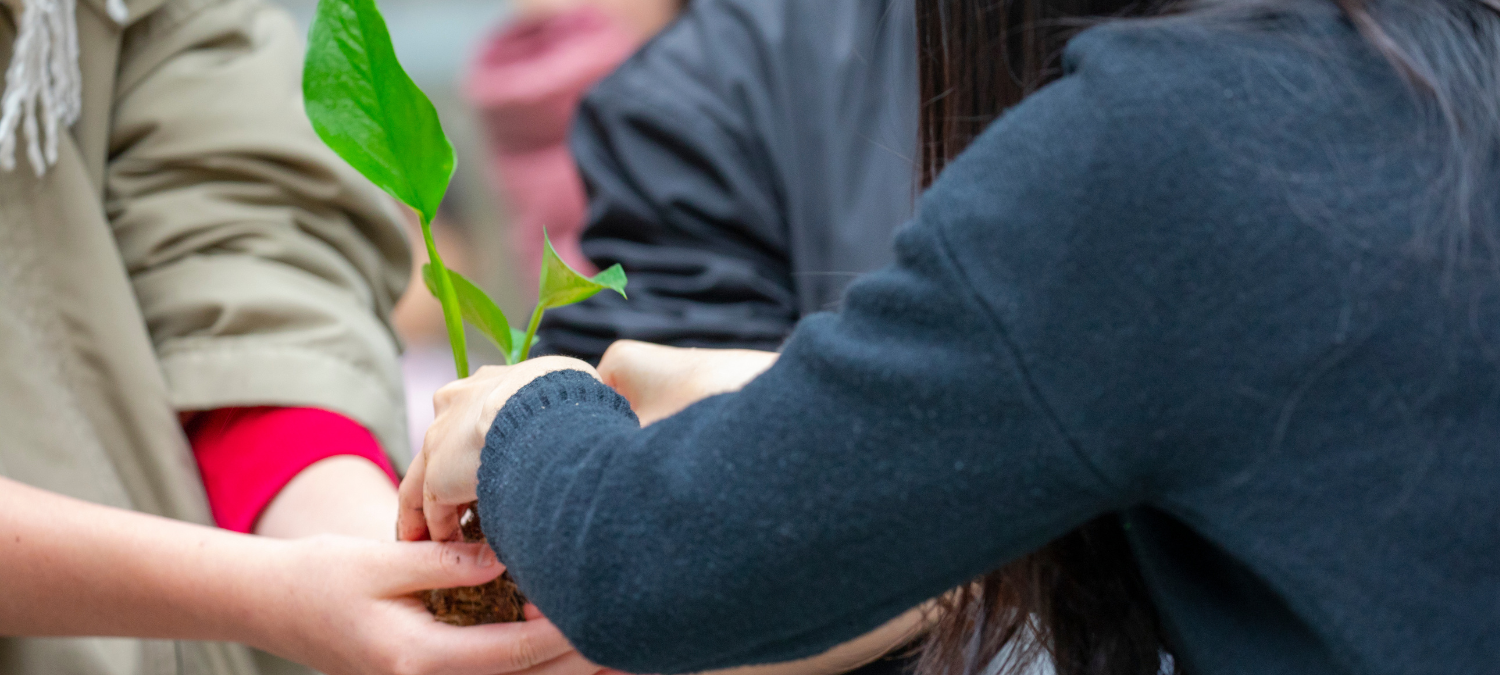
column 1080, row 600
column 979, row 57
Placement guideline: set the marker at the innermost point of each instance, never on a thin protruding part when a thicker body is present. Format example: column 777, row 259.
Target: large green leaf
column 479, row 310
column 365, row 107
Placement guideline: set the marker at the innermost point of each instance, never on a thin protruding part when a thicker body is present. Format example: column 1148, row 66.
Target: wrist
column 270, row 598
column 516, row 379
column 199, row 584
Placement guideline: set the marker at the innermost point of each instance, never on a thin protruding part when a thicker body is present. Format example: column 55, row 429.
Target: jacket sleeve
column 897, row 449
column 893, row 452
column 683, row 194
column 265, row 267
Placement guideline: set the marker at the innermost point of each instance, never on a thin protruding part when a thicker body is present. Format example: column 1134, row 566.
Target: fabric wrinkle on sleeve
column 265, row 267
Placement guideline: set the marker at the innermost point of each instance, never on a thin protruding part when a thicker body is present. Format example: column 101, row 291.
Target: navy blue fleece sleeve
column 807, row 509
column 1179, row 283
column 897, row 449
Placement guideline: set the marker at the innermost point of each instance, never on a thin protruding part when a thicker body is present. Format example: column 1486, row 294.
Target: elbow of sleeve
column 617, row 614
column 622, row 635
column 630, row 627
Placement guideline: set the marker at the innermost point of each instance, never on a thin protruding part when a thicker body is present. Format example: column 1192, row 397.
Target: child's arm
column 69, row 568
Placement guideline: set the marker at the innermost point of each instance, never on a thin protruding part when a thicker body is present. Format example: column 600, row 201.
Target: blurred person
column 194, row 305
column 744, row 167
column 1187, row 357
column 525, row 83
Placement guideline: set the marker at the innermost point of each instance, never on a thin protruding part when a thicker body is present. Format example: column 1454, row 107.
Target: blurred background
column 505, row 76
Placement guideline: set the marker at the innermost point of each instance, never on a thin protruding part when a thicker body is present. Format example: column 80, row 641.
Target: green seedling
column 368, row 110
column 559, row 285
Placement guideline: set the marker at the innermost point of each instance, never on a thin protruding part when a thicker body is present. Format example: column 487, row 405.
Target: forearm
column 76, row 568
column 339, row 605
column 342, row 495
column 853, row 654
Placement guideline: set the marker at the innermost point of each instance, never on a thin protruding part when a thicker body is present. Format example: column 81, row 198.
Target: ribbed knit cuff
column 549, row 407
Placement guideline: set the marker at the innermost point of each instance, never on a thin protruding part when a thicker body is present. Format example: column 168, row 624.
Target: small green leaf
column 612, row 278
column 479, row 310
column 561, row 285
column 366, row 108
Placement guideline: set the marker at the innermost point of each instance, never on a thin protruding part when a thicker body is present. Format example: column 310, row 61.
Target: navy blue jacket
column 1190, row 283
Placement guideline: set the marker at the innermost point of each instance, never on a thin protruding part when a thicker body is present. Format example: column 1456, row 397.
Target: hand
column 660, row 381
column 346, row 606
column 444, row 477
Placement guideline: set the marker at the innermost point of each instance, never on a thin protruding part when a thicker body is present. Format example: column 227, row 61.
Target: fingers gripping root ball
column 498, row 601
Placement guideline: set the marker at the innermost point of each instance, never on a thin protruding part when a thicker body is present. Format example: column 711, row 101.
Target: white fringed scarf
column 43, row 86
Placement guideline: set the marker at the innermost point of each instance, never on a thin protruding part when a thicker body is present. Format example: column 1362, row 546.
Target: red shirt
column 247, row 455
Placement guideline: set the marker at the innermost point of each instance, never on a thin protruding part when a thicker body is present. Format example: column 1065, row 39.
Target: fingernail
column 487, row 557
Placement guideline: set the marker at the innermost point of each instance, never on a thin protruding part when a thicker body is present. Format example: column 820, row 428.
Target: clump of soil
column 498, row 601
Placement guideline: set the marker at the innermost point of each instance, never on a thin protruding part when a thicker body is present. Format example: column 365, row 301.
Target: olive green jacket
column 195, row 247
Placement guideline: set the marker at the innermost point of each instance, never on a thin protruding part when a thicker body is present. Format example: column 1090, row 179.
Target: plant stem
column 536, row 320
column 452, row 315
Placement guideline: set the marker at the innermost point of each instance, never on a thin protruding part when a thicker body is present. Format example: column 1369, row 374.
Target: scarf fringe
column 43, row 85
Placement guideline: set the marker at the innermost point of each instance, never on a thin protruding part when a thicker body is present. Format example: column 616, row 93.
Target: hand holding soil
column 438, row 494
column 442, row 480
column 658, row 381
column 498, row 601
